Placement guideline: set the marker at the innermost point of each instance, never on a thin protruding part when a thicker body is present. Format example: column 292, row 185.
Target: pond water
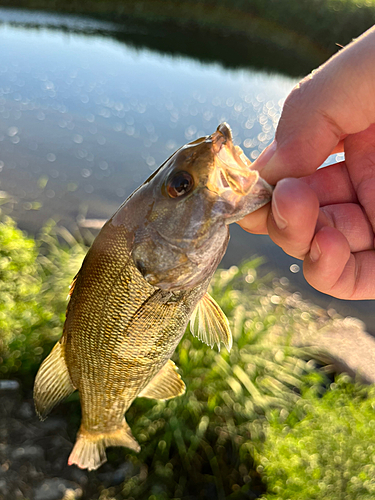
column 85, row 117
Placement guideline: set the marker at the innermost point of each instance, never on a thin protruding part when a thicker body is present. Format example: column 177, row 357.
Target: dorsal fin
column 52, row 382
column 166, row 384
column 209, row 324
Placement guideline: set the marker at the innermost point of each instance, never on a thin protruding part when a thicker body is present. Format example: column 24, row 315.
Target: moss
column 325, row 448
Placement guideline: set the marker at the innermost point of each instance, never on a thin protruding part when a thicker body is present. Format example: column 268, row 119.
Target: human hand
column 326, row 218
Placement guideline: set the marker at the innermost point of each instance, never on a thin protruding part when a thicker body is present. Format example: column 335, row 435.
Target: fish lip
column 220, row 137
column 261, row 193
column 263, row 189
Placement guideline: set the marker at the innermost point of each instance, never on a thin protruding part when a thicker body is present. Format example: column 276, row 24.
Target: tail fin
column 89, row 449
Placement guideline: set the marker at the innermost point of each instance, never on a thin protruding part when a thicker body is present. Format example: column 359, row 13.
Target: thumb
column 326, row 106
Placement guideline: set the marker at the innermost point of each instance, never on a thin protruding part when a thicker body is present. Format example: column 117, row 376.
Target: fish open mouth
column 232, row 174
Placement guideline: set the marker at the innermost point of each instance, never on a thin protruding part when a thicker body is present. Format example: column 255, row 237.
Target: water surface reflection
column 85, row 119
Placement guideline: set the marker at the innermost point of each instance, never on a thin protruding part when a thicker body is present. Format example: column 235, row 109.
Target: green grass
column 34, row 280
column 325, row 448
column 260, row 421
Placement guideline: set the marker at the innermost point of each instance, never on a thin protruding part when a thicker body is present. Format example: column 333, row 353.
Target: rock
column 115, row 477
column 9, row 385
column 53, row 424
column 345, row 345
column 78, row 475
column 28, row 453
column 4, row 451
column 26, row 411
column 3, row 488
column 58, row 489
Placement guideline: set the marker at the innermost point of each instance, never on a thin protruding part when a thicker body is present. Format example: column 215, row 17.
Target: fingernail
column 315, row 251
column 280, row 222
column 266, row 156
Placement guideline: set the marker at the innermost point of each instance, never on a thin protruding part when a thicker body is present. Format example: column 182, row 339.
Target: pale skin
column 327, row 216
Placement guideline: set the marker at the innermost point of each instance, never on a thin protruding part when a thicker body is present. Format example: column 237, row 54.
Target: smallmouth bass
column 145, row 276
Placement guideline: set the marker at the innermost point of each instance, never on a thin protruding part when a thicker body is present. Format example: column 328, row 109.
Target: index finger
column 326, row 106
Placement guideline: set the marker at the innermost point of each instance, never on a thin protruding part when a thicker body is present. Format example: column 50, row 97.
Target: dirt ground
column 34, row 455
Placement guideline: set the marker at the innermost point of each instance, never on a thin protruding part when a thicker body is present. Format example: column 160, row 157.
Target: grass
column 260, row 421
column 34, row 279
column 324, row 448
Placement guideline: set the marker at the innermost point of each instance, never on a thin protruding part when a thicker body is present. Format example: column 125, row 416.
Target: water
column 85, row 118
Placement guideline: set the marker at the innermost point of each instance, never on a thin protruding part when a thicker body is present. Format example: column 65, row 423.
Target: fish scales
column 144, row 277
column 111, row 355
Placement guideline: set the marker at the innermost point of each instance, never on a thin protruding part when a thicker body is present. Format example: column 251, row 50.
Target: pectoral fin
column 166, row 384
column 52, row 382
column 209, row 324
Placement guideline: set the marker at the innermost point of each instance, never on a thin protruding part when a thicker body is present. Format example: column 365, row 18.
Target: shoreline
column 222, row 21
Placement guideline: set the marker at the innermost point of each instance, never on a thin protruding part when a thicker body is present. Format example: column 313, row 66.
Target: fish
column 144, row 278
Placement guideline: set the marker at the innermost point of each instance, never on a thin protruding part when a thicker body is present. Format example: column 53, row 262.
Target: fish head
column 179, row 217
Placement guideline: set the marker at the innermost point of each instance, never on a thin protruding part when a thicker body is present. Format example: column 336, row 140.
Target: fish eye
column 180, row 184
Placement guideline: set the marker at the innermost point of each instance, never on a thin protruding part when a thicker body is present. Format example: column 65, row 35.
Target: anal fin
column 89, row 449
column 209, row 324
column 166, row 384
column 52, row 382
